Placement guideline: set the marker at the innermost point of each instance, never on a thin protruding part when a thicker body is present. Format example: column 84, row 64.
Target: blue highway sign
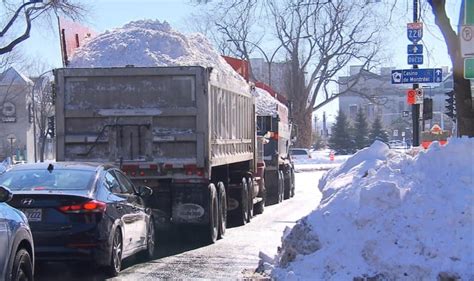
column 415, row 31
column 415, row 59
column 415, row 76
column 414, row 49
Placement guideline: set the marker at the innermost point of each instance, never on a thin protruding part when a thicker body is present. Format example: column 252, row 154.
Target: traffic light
column 427, row 109
column 450, row 105
column 50, row 130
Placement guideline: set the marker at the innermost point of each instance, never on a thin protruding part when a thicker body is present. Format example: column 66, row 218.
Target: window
column 127, row 185
column 112, row 183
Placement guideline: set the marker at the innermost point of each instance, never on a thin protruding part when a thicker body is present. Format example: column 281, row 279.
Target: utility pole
column 415, row 107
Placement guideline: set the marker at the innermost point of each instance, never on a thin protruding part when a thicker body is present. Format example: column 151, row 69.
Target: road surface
column 234, row 257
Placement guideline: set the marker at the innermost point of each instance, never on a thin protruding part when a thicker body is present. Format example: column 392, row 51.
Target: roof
column 62, row 165
column 13, row 76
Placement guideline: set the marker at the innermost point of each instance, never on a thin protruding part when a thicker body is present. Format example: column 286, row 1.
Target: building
column 375, row 94
column 279, row 72
column 16, row 136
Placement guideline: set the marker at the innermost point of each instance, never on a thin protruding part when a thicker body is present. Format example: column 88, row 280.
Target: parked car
column 16, row 242
column 397, row 144
column 300, row 154
column 83, row 211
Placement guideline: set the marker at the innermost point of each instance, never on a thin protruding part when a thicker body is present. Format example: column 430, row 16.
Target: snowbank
column 389, row 216
column 149, row 43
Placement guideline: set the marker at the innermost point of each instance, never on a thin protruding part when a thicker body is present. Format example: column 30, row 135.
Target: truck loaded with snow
column 273, row 123
column 182, row 123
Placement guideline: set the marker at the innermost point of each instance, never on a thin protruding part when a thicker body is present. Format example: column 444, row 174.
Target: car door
column 124, row 210
column 138, row 210
column 5, row 242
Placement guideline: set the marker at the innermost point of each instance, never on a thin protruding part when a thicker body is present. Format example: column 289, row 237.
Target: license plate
column 33, row 214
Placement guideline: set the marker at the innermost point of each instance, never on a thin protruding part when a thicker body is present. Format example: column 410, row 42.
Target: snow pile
column 265, row 103
column 149, row 43
column 387, row 215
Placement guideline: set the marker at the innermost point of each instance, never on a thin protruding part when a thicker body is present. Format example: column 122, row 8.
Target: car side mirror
column 144, row 191
column 5, row 194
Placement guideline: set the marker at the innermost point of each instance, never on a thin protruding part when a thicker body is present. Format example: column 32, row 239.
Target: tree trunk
column 464, row 106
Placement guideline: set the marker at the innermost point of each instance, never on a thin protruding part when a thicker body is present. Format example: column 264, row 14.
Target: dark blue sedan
column 82, row 212
column 16, row 242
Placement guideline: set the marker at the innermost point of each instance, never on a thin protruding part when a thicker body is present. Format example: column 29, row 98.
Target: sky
column 109, row 14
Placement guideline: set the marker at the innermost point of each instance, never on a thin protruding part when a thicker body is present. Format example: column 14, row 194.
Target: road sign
column 411, row 94
column 415, row 31
column 415, row 59
column 414, row 49
column 469, row 68
column 469, row 12
column 419, row 96
column 467, row 41
column 417, row 75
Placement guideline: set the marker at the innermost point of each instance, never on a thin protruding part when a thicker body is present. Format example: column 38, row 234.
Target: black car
column 16, row 242
column 82, row 212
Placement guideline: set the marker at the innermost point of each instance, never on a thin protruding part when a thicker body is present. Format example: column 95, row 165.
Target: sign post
column 414, row 36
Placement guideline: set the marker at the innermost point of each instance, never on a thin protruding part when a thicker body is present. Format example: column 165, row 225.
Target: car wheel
column 286, row 184
column 22, row 266
column 116, row 257
column 222, row 202
column 243, row 204
column 149, row 253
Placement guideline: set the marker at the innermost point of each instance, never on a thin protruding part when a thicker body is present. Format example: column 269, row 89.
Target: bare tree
column 464, row 105
column 42, row 97
column 21, row 14
column 321, row 38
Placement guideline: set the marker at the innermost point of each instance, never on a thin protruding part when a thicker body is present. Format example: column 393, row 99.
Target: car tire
column 149, row 252
column 115, row 262
column 286, row 184
column 222, row 202
column 22, row 266
column 292, row 182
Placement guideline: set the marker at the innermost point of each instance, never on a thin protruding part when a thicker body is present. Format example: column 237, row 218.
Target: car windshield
column 299, row 152
column 57, row 179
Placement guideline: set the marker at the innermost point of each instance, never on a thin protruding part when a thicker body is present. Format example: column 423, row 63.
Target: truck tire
column 212, row 227
column 222, row 202
column 281, row 186
column 250, row 198
column 286, row 183
column 260, row 206
column 272, row 186
column 292, row 182
column 242, row 210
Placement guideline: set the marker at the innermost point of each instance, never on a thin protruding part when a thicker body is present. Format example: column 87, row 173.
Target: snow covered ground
column 388, row 215
column 319, row 160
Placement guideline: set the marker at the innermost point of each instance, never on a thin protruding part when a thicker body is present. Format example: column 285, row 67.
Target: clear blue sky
column 107, row 14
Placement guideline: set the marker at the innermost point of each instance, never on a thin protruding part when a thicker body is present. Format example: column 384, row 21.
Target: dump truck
column 279, row 176
column 187, row 132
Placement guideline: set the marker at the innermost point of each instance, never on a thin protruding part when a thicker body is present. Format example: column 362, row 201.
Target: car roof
column 62, row 165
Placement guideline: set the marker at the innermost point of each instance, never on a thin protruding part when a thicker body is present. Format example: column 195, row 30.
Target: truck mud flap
column 189, row 204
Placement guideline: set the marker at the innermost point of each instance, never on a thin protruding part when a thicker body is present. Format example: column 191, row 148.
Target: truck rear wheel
column 292, row 182
column 250, row 198
column 287, row 184
column 242, row 211
column 281, row 186
column 222, row 202
column 272, row 187
column 212, row 227
column 260, row 206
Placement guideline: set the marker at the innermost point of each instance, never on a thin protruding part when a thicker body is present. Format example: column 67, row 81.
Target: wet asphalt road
column 187, row 257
